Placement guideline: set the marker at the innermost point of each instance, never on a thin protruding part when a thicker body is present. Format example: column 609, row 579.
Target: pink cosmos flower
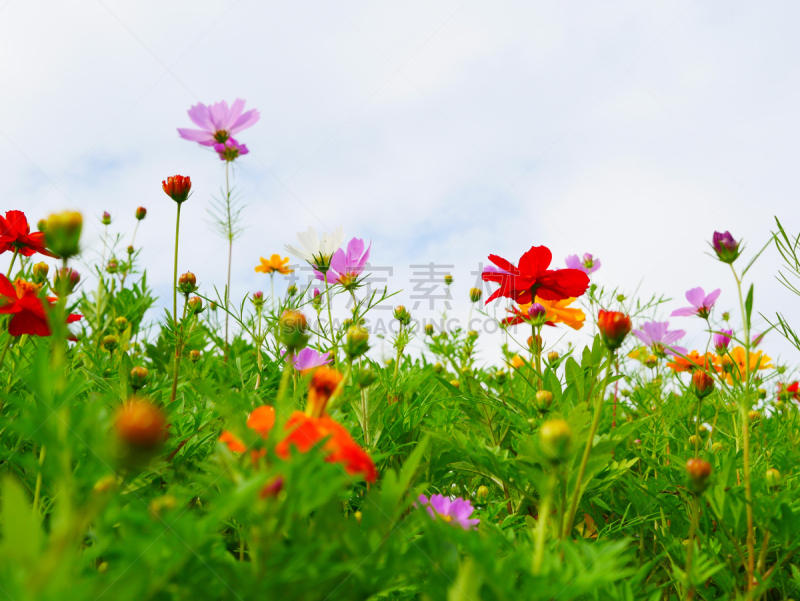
column 658, row 336
column 701, row 304
column 308, row 358
column 587, row 264
column 218, row 122
column 347, row 266
column 449, row 510
column 722, row 340
column 230, row 150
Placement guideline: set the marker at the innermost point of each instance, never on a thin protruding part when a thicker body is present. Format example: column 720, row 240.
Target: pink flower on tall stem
column 347, row 266
column 701, row 303
column 450, row 510
column 721, row 341
column 230, row 150
column 218, row 122
column 658, row 336
column 587, row 264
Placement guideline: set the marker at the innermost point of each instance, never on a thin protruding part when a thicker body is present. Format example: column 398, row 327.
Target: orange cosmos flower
column 274, row 265
column 734, row 363
column 322, row 386
column 693, row 361
column 557, row 311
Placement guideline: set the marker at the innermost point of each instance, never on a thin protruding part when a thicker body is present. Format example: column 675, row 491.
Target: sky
column 441, row 131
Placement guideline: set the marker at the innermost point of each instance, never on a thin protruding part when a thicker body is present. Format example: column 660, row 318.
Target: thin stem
column 175, row 272
column 541, row 524
column 38, row 490
column 13, row 260
column 4, row 351
column 178, row 352
column 330, row 319
column 690, row 550
column 258, row 346
column 576, row 495
column 230, row 251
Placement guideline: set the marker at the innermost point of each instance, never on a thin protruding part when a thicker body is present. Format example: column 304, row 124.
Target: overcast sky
column 441, row 131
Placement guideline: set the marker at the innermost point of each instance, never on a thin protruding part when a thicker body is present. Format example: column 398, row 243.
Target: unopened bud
column 138, row 377
column 141, row 213
column 482, row 493
column 402, row 315
column 187, row 283
column 110, row 342
column 702, row 384
column 773, row 478
column 698, row 472
column 112, row 266
column 365, row 377
column 552, row 356
column 272, row 489
column 455, row 383
column 437, row 367
column 429, row 329
column 614, row 327
column 292, row 326
column 475, row 294
column 63, row 233
column 716, row 447
column 544, row 398
column 196, row 305
column 194, row 355
column 140, row 424
column 121, row 323
column 357, row 342
column 291, row 290
column 753, row 416
column 448, row 279
column 555, row 436
column 257, row 299
column 40, row 271
column 106, row 218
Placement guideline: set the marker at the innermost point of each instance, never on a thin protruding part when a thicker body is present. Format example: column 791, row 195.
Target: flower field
column 257, row 448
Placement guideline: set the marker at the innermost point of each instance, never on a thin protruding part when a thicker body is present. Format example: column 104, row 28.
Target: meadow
column 255, row 448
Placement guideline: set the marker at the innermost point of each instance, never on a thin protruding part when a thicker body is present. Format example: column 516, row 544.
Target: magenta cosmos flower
column 722, row 340
column 308, row 358
column 658, row 336
column 347, row 266
column 218, row 122
column 230, row 150
column 450, row 510
column 701, row 303
column 587, row 264
column 725, row 246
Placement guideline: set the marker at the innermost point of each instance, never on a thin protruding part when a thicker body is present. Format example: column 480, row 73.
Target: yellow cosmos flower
column 734, row 363
column 559, row 312
column 274, row 265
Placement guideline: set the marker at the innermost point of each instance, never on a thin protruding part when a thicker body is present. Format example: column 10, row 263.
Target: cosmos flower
column 230, row 150
column 218, row 122
column 345, row 267
column 614, row 327
column 658, row 336
column 22, row 300
column 721, row 341
column 693, row 361
column 735, row 367
column 308, row 358
column 317, row 251
column 275, row 264
column 15, row 235
column 587, row 264
column 701, row 304
column 556, row 312
column 725, row 246
column 531, row 278
column 450, row 510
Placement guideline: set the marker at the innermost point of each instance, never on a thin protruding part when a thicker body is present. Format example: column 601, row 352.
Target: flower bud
column 472, row 335
column 291, row 290
column 41, row 225
column 429, row 329
column 773, row 478
column 194, row 355
column 534, row 344
column 517, row 362
column 651, row 361
column 455, row 383
column 138, row 377
column 292, row 327
column 63, row 233
column 500, row 376
column 257, row 299
column 112, row 266
column 121, row 323
column 482, row 493
column 106, row 219
column 110, row 342
column 438, row 367
column 272, row 489
column 357, row 342
column 65, row 280
column 537, row 314
column 698, row 472
column 140, row 424
column 762, row 393
column 725, row 246
column 40, row 271
column 753, row 416
column 448, row 279
column 695, row 441
column 358, row 515
column 177, row 187
column 141, row 213
column 187, row 283
column 475, row 294
column 212, row 306
column 614, row 327
column 555, row 436
column 365, row 377
column 402, row 315
column 552, row 356
column 702, row 384
column 196, row 305
column 543, row 400
column 703, row 431
column 716, row 447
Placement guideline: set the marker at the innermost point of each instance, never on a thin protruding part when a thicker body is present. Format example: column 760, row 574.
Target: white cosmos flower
column 315, row 250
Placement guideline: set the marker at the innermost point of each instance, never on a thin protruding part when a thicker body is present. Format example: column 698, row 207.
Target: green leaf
column 22, row 532
column 748, row 305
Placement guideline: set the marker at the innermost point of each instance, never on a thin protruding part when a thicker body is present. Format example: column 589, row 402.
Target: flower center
column 221, row 136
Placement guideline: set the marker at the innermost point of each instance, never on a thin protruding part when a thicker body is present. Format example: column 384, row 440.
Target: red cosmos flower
column 792, row 391
column 613, row 326
column 22, row 301
column 15, row 234
column 532, row 278
column 177, row 187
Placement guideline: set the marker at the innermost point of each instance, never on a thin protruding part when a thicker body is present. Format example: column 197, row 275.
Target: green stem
column 4, row 351
column 690, row 550
column 178, row 352
column 258, row 347
column 541, row 524
column 38, row 490
column 230, row 252
column 13, row 260
column 330, row 321
column 576, row 495
column 175, row 272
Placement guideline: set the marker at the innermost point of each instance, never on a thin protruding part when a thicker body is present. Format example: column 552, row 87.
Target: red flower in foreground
column 304, row 432
column 15, row 235
column 28, row 309
column 177, row 187
column 532, row 278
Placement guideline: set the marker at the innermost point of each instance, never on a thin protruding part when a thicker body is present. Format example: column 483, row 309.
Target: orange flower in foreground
column 693, row 361
column 274, row 265
column 262, row 419
column 322, row 386
column 232, row 441
column 307, row 431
